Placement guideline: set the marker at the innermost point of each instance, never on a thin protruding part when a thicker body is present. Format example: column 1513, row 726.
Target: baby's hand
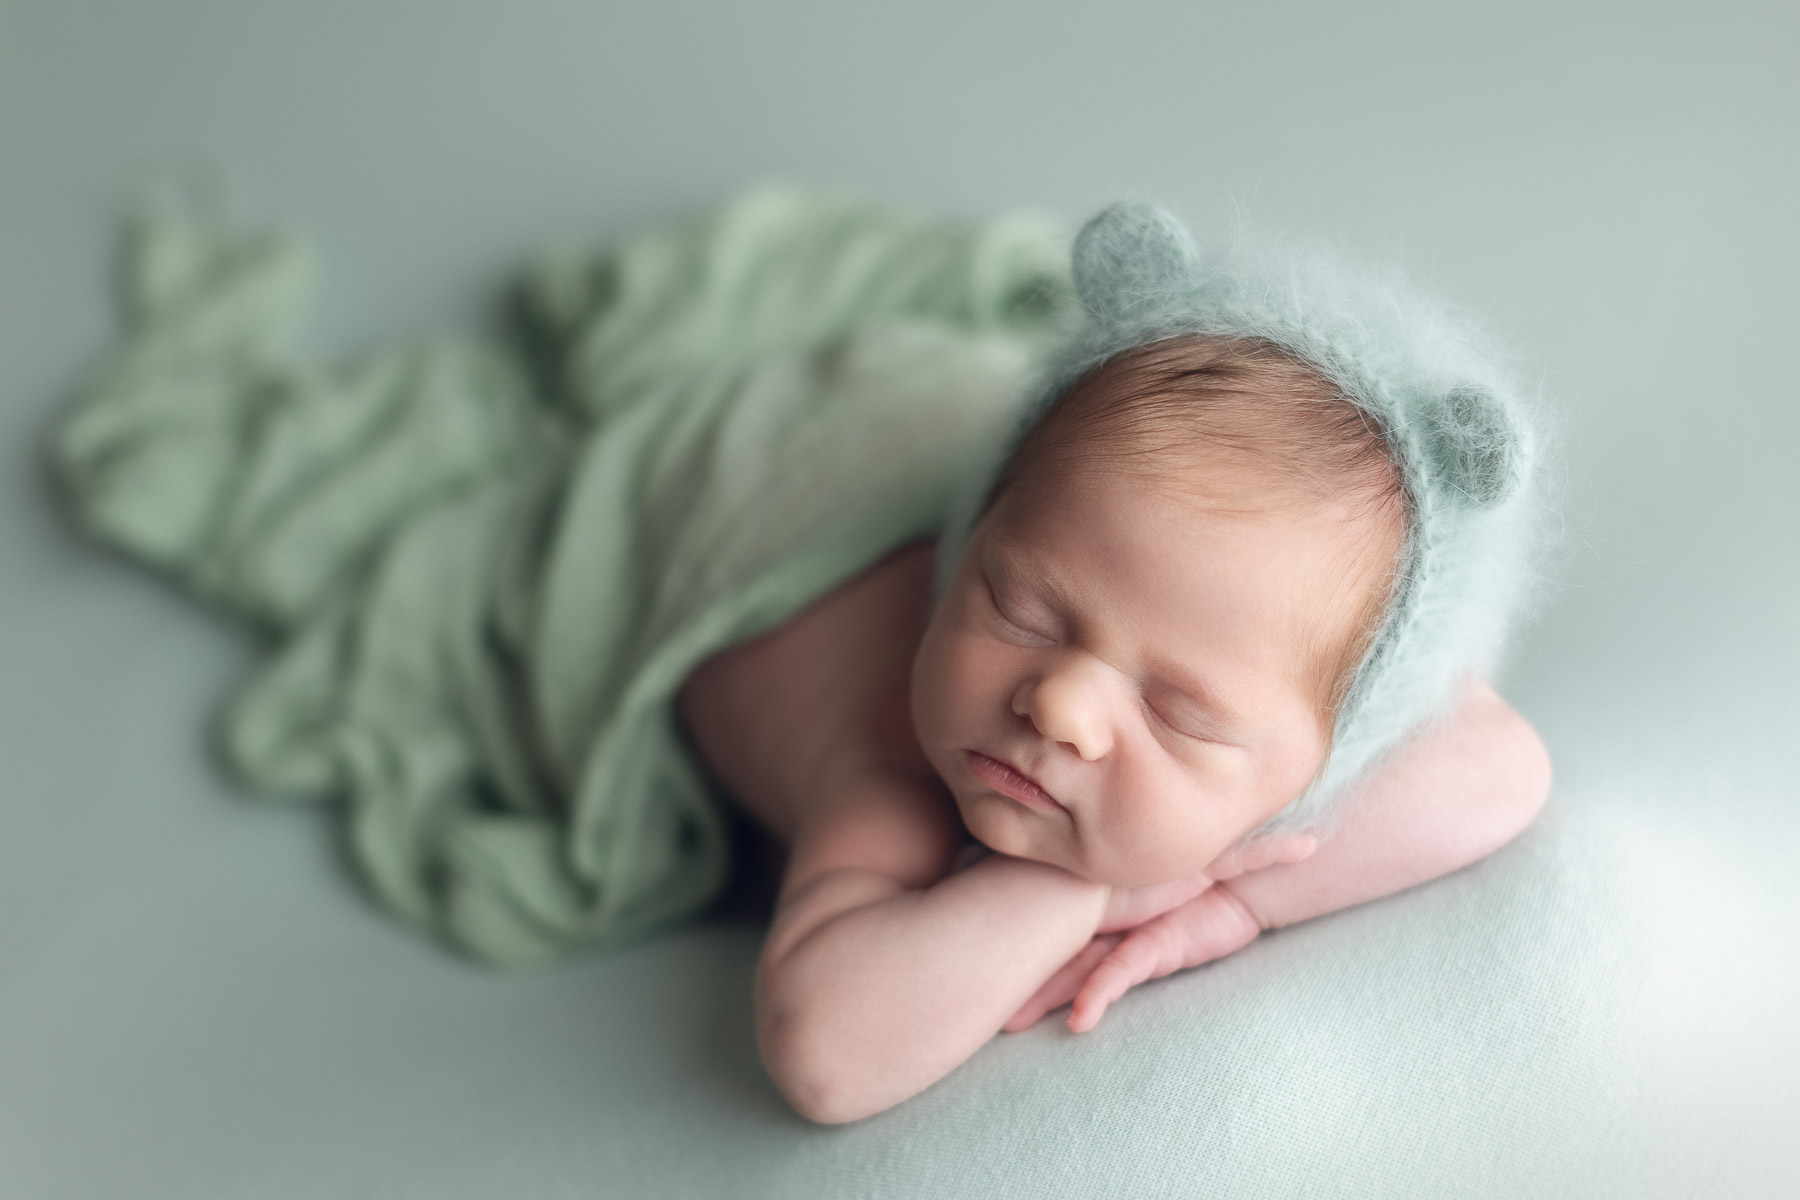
column 1209, row 926
column 1165, row 928
column 1127, row 908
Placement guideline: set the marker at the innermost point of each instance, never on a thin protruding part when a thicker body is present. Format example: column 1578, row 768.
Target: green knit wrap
column 490, row 567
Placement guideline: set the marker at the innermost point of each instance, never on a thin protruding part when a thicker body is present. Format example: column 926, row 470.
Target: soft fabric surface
column 491, row 571
column 193, row 1001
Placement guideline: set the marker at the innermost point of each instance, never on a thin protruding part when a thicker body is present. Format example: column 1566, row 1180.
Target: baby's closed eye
column 1186, row 726
column 1011, row 626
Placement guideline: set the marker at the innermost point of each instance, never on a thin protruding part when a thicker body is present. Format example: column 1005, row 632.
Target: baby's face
column 1151, row 660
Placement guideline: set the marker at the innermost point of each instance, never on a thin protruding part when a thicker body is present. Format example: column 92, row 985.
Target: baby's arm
column 881, row 973
column 1452, row 795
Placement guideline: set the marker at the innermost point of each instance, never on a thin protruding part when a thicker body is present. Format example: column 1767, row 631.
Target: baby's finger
column 1042, row 1001
column 1061, row 987
column 1134, row 960
column 1055, row 993
column 1047, row 1000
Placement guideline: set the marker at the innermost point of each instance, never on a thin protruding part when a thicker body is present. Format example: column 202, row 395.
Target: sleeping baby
column 1070, row 619
column 1200, row 655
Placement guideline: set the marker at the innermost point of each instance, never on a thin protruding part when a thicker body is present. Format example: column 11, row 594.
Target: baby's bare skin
column 821, row 697
column 885, row 968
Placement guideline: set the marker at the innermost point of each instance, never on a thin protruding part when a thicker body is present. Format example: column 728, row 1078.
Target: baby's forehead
column 1204, row 485
column 1218, row 416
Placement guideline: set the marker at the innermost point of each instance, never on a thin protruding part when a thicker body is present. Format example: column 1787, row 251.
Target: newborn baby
column 1197, row 649
column 1185, row 673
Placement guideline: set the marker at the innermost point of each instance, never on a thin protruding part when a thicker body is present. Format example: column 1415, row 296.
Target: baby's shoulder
column 865, row 635
column 823, row 696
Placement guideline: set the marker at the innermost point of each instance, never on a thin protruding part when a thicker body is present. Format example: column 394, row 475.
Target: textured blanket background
column 193, row 1001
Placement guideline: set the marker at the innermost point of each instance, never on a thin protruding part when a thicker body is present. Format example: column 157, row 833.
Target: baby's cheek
column 1157, row 836
column 1286, row 772
column 941, row 708
column 928, row 692
column 953, row 678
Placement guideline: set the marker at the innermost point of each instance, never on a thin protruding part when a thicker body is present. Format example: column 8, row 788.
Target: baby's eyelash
column 1171, row 725
column 1018, row 629
column 994, row 607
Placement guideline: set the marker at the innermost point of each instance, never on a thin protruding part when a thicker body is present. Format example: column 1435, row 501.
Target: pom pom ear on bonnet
column 1458, row 429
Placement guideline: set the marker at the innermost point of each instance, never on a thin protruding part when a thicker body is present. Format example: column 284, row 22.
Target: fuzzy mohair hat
column 1457, row 427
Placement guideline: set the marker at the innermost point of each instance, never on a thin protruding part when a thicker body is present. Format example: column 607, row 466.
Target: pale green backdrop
column 196, row 1002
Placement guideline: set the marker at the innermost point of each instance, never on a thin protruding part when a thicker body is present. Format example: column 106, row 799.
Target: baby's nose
column 1066, row 708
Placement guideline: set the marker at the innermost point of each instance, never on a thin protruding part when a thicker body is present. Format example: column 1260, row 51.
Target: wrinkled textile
column 490, row 567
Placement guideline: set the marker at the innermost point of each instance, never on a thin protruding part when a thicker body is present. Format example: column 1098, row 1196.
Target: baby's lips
column 1002, row 776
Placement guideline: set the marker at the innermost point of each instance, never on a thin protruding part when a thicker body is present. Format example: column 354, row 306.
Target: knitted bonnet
column 1457, row 428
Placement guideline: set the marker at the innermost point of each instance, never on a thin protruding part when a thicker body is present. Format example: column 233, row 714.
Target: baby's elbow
column 1519, row 771
column 810, row 1076
column 822, row 1101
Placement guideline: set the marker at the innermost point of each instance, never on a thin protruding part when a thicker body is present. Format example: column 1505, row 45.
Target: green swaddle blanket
column 490, row 567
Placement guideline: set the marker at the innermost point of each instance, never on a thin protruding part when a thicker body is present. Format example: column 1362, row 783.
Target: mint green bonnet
column 1460, row 430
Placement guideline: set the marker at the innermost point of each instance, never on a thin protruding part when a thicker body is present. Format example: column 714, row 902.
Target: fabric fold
column 487, row 591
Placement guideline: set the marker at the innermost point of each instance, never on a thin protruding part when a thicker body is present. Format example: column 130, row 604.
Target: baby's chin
column 1005, row 827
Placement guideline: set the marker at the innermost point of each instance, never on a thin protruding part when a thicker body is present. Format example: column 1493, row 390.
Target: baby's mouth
column 1011, row 782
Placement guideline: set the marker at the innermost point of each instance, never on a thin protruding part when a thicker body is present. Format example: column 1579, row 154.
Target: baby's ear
column 1253, row 853
column 1129, row 258
column 1475, row 446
